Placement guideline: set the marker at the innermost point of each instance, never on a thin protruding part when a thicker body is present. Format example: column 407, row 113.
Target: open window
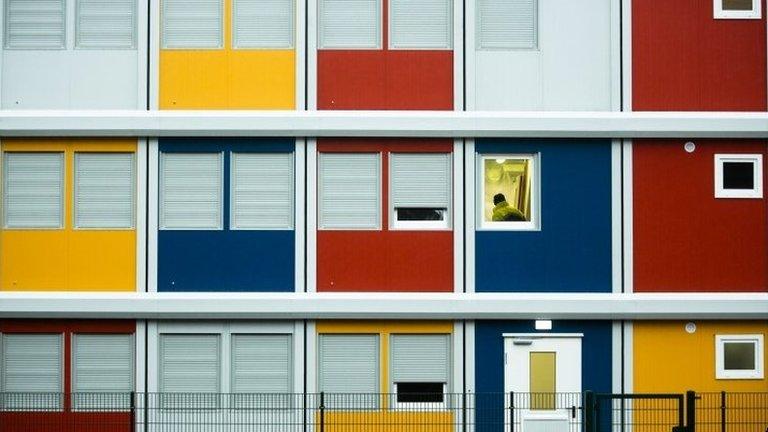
column 738, row 176
column 420, row 190
column 738, row 9
column 420, row 370
column 507, row 191
column 739, row 356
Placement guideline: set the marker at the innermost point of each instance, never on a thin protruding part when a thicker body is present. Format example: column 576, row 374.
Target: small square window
column 739, row 356
column 738, row 176
column 738, row 9
column 508, row 192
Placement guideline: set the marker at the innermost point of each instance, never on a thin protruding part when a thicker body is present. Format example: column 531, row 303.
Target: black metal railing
column 383, row 412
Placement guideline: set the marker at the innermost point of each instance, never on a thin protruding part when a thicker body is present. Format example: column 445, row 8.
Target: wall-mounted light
column 690, row 147
column 690, row 327
column 543, row 324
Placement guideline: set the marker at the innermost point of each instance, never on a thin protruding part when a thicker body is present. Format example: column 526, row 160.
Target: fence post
column 133, row 411
column 723, row 411
column 511, row 411
column 463, row 411
column 589, row 411
column 690, row 407
column 146, row 410
column 322, row 411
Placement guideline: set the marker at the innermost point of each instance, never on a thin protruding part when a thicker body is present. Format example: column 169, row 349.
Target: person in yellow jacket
column 502, row 211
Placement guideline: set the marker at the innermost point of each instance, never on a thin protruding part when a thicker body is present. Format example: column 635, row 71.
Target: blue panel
column 572, row 251
column 489, row 363
column 226, row 260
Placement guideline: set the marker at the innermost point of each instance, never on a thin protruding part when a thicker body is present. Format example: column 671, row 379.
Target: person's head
column 499, row 197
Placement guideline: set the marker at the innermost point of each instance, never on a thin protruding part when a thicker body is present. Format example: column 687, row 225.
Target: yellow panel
column 67, row 259
column 669, row 359
column 387, row 421
column 542, row 386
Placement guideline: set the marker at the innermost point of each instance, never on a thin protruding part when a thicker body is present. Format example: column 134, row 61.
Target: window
column 261, row 364
column 421, row 24
column 104, row 190
column 32, row 363
column 349, row 191
column 263, row 23
column 33, row 190
column 420, row 190
column 191, row 190
column 739, row 356
column 420, row 368
column 349, row 370
column 738, row 176
column 102, row 363
column 507, row 194
column 190, row 364
column 34, row 24
column 106, row 24
column 192, row 23
column 506, row 25
column 738, row 9
column 262, row 191
column 349, row 24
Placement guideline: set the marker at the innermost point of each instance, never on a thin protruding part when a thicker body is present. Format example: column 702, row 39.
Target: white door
column 544, row 372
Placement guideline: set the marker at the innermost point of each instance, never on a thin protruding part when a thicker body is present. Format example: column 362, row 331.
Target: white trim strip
column 602, row 306
column 436, row 124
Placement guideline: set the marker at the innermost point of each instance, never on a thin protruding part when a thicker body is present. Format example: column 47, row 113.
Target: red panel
column 66, row 420
column 385, row 260
column 685, row 240
column 383, row 79
column 684, row 59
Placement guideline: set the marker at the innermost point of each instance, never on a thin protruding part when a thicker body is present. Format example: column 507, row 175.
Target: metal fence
column 381, row 412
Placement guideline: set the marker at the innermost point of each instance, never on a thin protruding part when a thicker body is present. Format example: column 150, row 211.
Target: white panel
column 349, row 364
column 33, row 189
column 106, row 24
column 34, row 24
column 420, row 23
column 190, row 190
column 189, row 363
column 32, row 363
column 262, row 190
column 192, row 23
column 261, row 364
column 349, row 23
column 263, row 23
column 420, row 358
column 421, row 180
column 104, row 190
column 506, row 24
column 102, row 363
column 349, row 191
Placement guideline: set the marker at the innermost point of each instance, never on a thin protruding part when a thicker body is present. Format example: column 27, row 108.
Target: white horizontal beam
column 382, row 306
column 384, row 124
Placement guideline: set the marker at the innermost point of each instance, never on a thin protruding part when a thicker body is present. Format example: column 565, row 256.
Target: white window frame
column 755, row 13
column 161, row 220
column 233, row 225
column 324, row 227
column 134, row 30
column 6, row 30
column 115, row 402
column 222, row 42
column 722, row 373
column 532, row 225
column 448, row 47
column 479, row 40
column 379, row 34
column 240, row 46
column 31, row 407
column 394, row 384
column 62, row 193
column 438, row 225
column 419, row 405
column 77, row 227
column 757, row 172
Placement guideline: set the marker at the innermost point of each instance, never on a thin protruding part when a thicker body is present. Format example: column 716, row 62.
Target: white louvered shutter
column 420, row 358
column 102, row 363
column 349, row 364
column 349, row 191
column 350, row 23
column 192, row 23
column 262, row 190
column 191, row 190
column 33, row 190
column 421, row 180
column 106, row 24
column 32, row 363
column 507, row 24
column 190, row 364
column 104, row 190
column 35, row 24
column 261, row 364
column 263, row 23
column 421, row 24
